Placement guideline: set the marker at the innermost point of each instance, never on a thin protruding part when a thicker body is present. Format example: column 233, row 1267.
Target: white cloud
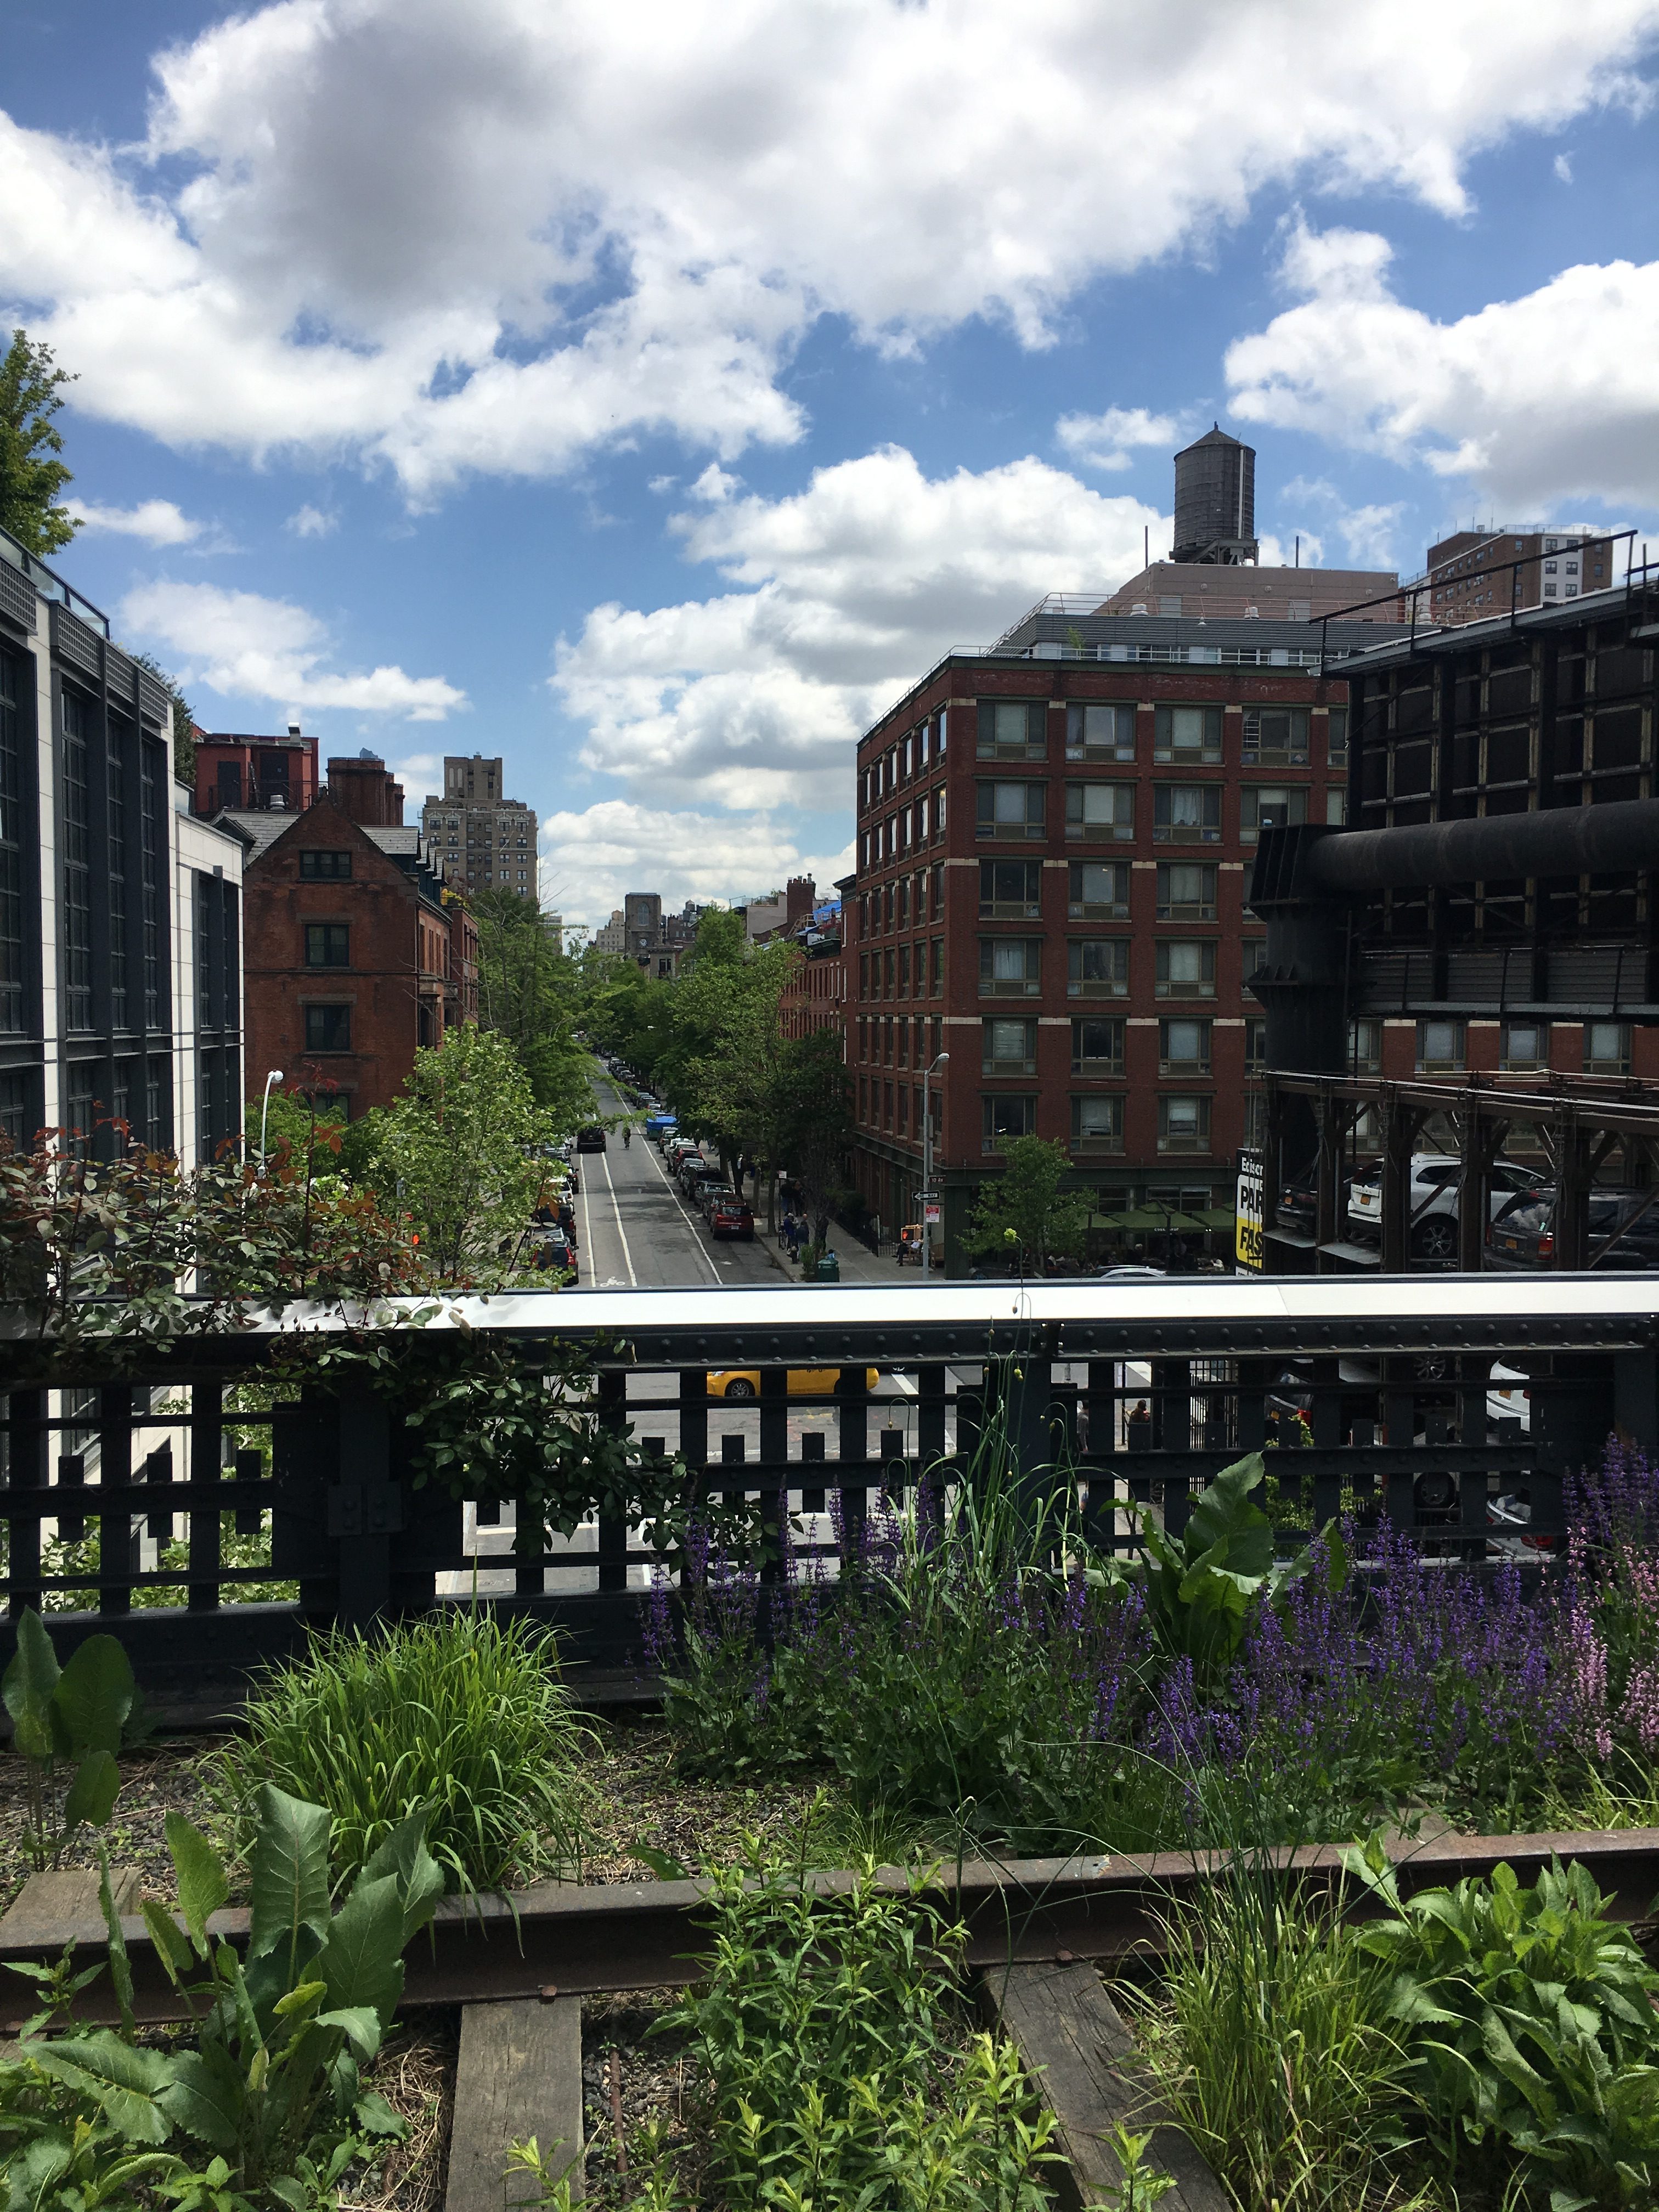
column 589, row 859
column 850, row 590
column 245, row 647
column 309, row 521
column 1536, row 400
column 422, row 775
column 1564, row 167
column 157, row 521
column 455, row 235
column 1105, row 442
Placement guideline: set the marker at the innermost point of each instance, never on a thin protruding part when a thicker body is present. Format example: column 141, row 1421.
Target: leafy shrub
column 839, row 2068
column 456, row 1717
column 78, row 1716
column 1529, row 2020
column 280, row 2037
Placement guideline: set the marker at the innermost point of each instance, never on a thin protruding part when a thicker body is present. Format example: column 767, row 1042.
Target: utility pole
column 927, row 1195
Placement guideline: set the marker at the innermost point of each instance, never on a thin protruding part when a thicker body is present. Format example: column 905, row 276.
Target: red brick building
column 247, row 773
column 1053, row 843
column 815, row 997
column 356, row 953
column 1472, row 575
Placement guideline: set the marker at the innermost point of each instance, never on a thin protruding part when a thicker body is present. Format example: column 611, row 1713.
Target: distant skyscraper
column 487, row 842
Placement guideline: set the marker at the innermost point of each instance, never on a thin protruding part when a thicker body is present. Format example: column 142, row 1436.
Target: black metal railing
column 1122, row 1393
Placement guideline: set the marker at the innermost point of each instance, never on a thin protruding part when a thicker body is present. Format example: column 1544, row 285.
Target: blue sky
column 650, row 398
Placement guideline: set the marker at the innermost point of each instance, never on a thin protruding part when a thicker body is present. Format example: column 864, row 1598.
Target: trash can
column 829, row 1268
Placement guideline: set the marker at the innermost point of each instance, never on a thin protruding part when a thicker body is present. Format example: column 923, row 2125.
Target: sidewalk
column 859, row 1264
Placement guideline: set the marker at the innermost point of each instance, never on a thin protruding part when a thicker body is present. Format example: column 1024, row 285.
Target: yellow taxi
column 804, row 1381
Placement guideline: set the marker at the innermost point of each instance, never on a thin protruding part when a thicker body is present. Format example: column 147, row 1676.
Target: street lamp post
column 274, row 1076
column 927, row 1075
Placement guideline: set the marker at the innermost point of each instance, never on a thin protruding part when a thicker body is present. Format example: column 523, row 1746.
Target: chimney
column 362, row 790
column 800, row 896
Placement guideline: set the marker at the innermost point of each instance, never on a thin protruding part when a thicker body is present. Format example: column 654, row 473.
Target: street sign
column 1246, row 1226
column 930, row 1212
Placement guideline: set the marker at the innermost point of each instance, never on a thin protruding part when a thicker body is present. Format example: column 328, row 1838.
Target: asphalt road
column 637, row 1231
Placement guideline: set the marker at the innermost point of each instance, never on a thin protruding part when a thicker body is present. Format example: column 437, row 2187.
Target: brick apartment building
column 1054, row 841
column 486, row 841
column 237, row 773
column 355, row 953
column 1472, row 575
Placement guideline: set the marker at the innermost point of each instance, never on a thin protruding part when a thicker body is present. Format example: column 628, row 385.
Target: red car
column 731, row 1216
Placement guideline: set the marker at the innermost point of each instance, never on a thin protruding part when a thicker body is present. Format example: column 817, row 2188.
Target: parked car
column 1624, row 1231
column 804, row 1381
column 1127, row 1274
column 1433, row 1205
column 550, row 1247
column 677, row 1150
column 590, row 1139
column 729, row 1216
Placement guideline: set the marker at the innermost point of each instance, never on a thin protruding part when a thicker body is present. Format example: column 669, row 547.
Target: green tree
column 458, row 1153
column 310, row 1134
column 815, row 1121
column 530, row 992
column 31, row 474
column 1025, row 1210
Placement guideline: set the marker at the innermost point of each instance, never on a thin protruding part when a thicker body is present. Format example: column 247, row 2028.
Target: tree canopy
column 31, row 474
column 1023, row 1210
column 529, row 992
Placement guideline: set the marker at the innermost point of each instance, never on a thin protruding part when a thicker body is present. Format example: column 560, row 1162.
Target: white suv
column 1433, row 1205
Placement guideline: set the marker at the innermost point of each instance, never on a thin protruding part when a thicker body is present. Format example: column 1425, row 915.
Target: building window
column 1097, row 968
column 1097, row 1047
column 1336, row 806
column 1186, row 890
column 1276, row 733
column 115, row 789
column 1100, row 809
column 326, row 867
column 939, row 884
column 11, row 860
column 901, row 892
column 1607, row 1048
column 936, row 980
column 1012, row 729
column 328, row 1028
column 77, row 867
column 1099, row 732
column 1012, row 810
column 1098, row 891
column 1525, row 1044
column 1183, row 1047
column 1097, row 1123
column 1184, row 734
column 81, row 1114
column 1010, row 967
column 1009, row 1048
column 1004, row 1116
column 1183, row 1125
column 1336, row 741
column 1441, row 1045
column 1187, row 814
column 153, row 803
column 328, row 945
column 1365, row 1048
column 1255, row 1046
column 904, row 971
column 1185, row 969
column 1011, row 891
column 1261, row 804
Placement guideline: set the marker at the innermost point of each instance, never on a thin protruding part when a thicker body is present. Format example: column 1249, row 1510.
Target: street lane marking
column 628, row 1257
column 714, row 1271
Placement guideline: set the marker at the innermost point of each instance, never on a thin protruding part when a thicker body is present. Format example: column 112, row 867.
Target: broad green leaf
column 290, row 1874
column 29, row 1682
column 304, row 1998
column 362, row 1958
column 661, row 1863
column 127, row 2081
column 359, row 2024
column 171, row 1945
column 207, row 2095
column 419, row 1877
column 94, row 1695
column 1224, row 1512
column 92, row 1794
column 202, row 1887
column 32, row 2179
column 372, row 2116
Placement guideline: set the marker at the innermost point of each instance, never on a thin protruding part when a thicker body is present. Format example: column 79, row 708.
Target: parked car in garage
column 1433, row 1205
column 1624, row 1231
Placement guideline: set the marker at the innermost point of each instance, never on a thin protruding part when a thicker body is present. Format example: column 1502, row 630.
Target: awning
column 1217, row 1217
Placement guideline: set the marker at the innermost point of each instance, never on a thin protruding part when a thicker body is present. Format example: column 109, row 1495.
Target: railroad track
column 569, row 1939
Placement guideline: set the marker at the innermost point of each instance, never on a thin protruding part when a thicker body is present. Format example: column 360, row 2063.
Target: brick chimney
column 800, row 896
column 362, row 789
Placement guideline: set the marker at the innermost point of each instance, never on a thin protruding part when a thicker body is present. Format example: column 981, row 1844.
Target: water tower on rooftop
column 1215, row 501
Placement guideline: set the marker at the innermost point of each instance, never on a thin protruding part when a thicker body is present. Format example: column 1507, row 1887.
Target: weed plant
column 457, row 1716
column 839, row 2067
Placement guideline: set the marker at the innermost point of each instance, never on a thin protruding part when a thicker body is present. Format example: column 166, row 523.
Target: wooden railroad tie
column 519, row 2074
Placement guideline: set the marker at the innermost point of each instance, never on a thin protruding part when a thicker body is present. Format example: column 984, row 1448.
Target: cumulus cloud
column 1105, row 441
column 157, row 521
column 1535, row 400
column 590, row 858
column 456, row 235
column 310, row 521
column 246, row 647
column 850, row 590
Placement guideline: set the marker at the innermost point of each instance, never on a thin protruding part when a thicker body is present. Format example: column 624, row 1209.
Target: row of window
column 1012, row 890
column 907, row 756
column 1184, row 1046
column 1442, row 1045
column 1182, row 813
column 1183, row 1121
column 1098, row 966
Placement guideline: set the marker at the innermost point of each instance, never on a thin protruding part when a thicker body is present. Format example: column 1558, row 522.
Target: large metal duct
column 1557, row 840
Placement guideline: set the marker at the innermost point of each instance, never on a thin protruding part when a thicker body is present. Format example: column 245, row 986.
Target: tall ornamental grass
column 458, row 1716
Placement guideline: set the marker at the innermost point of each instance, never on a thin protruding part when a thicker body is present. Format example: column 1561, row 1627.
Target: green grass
column 455, row 1715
